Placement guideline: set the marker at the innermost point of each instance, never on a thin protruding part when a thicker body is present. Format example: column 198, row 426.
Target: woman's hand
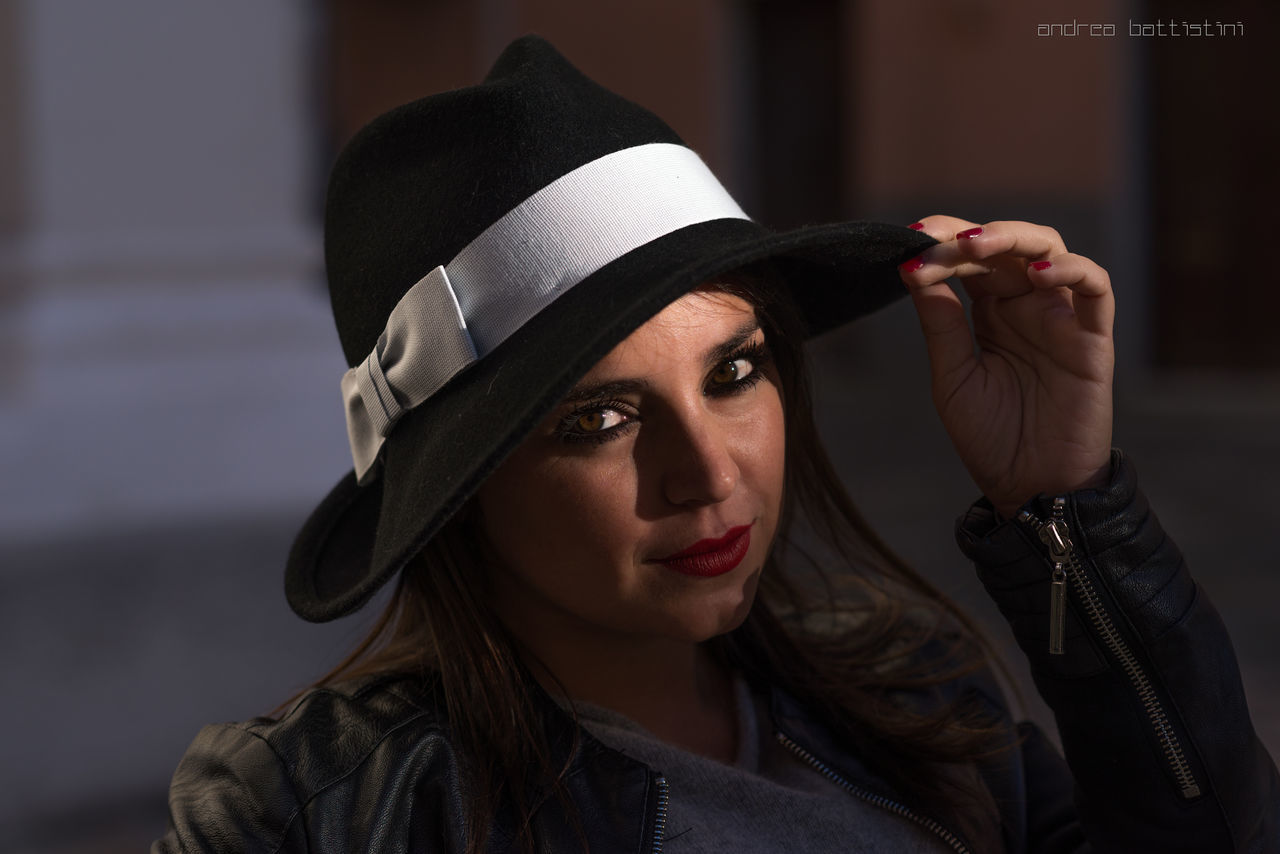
column 1029, row 409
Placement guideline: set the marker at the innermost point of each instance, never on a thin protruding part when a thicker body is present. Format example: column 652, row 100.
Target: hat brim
column 440, row 452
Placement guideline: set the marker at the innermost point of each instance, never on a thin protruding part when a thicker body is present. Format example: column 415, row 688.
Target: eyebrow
column 615, row 388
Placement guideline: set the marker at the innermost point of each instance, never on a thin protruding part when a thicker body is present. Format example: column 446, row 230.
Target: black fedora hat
column 484, row 248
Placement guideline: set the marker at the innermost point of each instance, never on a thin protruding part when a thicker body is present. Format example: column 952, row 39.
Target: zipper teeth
column 660, row 820
column 1106, row 629
column 881, row 801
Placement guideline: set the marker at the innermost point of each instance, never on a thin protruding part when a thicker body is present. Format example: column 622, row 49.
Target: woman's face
column 646, row 504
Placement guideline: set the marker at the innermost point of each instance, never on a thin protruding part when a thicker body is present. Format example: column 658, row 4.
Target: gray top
column 767, row 800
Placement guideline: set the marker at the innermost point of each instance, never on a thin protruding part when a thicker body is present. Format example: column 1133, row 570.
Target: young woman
column 635, row 610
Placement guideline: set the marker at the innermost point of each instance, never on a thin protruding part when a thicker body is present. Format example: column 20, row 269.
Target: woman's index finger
column 1020, row 239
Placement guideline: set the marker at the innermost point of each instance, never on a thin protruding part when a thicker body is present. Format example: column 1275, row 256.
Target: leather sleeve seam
column 284, row 769
column 300, row 804
column 328, row 784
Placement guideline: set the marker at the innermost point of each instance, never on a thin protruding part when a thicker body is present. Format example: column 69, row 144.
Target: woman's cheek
column 764, row 449
column 587, row 505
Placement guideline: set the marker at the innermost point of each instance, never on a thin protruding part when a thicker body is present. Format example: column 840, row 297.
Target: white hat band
column 548, row 243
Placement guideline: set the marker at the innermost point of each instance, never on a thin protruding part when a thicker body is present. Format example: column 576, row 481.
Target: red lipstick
column 708, row 558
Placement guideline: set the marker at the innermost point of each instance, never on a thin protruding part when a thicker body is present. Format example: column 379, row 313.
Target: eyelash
column 756, row 353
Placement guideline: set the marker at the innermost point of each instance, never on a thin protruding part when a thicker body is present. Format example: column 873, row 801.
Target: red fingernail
column 1041, row 265
column 918, row 226
column 970, row 233
column 911, row 266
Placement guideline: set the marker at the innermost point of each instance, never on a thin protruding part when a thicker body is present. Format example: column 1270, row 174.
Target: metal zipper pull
column 1097, row 618
column 1057, row 610
column 1054, row 534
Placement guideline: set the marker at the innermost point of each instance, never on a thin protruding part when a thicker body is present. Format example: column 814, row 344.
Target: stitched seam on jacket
column 284, row 768
column 301, row 806
column 320, row 790
column 390, row 686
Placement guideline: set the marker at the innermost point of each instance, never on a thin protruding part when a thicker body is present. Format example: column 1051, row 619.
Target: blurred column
column 1211, row 164
column 161, row 222
column 12, row 201
column 169, row 402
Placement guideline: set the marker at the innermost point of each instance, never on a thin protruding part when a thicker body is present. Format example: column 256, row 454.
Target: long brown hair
column 840, row 622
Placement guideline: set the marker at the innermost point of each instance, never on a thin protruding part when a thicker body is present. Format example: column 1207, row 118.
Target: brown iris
column 726, row 373
column 590, row 422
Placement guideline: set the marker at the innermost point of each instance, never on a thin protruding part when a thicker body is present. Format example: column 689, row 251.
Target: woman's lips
column 707, row 558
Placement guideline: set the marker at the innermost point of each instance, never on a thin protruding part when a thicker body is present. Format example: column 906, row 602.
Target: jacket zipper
column 870, row 797
column 1057, row 537
column 1067, row 569
column 660, row 819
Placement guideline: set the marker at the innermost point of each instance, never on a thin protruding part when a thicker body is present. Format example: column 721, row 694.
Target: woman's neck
column 677, row 691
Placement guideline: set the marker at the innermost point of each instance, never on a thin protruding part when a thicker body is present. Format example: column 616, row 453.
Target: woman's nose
column 701, row 468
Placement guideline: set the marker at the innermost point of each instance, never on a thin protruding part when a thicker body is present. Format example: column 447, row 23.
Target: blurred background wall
column 169, row 410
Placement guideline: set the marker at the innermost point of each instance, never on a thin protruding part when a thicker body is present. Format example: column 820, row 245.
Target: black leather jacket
column 1146, row 692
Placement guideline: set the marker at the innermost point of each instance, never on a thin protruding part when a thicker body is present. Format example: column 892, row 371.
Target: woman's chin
column 721, row 613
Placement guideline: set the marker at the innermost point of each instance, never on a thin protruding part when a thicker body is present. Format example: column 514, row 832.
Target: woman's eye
column 732, row 370
column 597, row 421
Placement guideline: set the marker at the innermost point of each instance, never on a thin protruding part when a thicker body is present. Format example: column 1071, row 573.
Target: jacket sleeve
column 1146, row 691
column 231, row 793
